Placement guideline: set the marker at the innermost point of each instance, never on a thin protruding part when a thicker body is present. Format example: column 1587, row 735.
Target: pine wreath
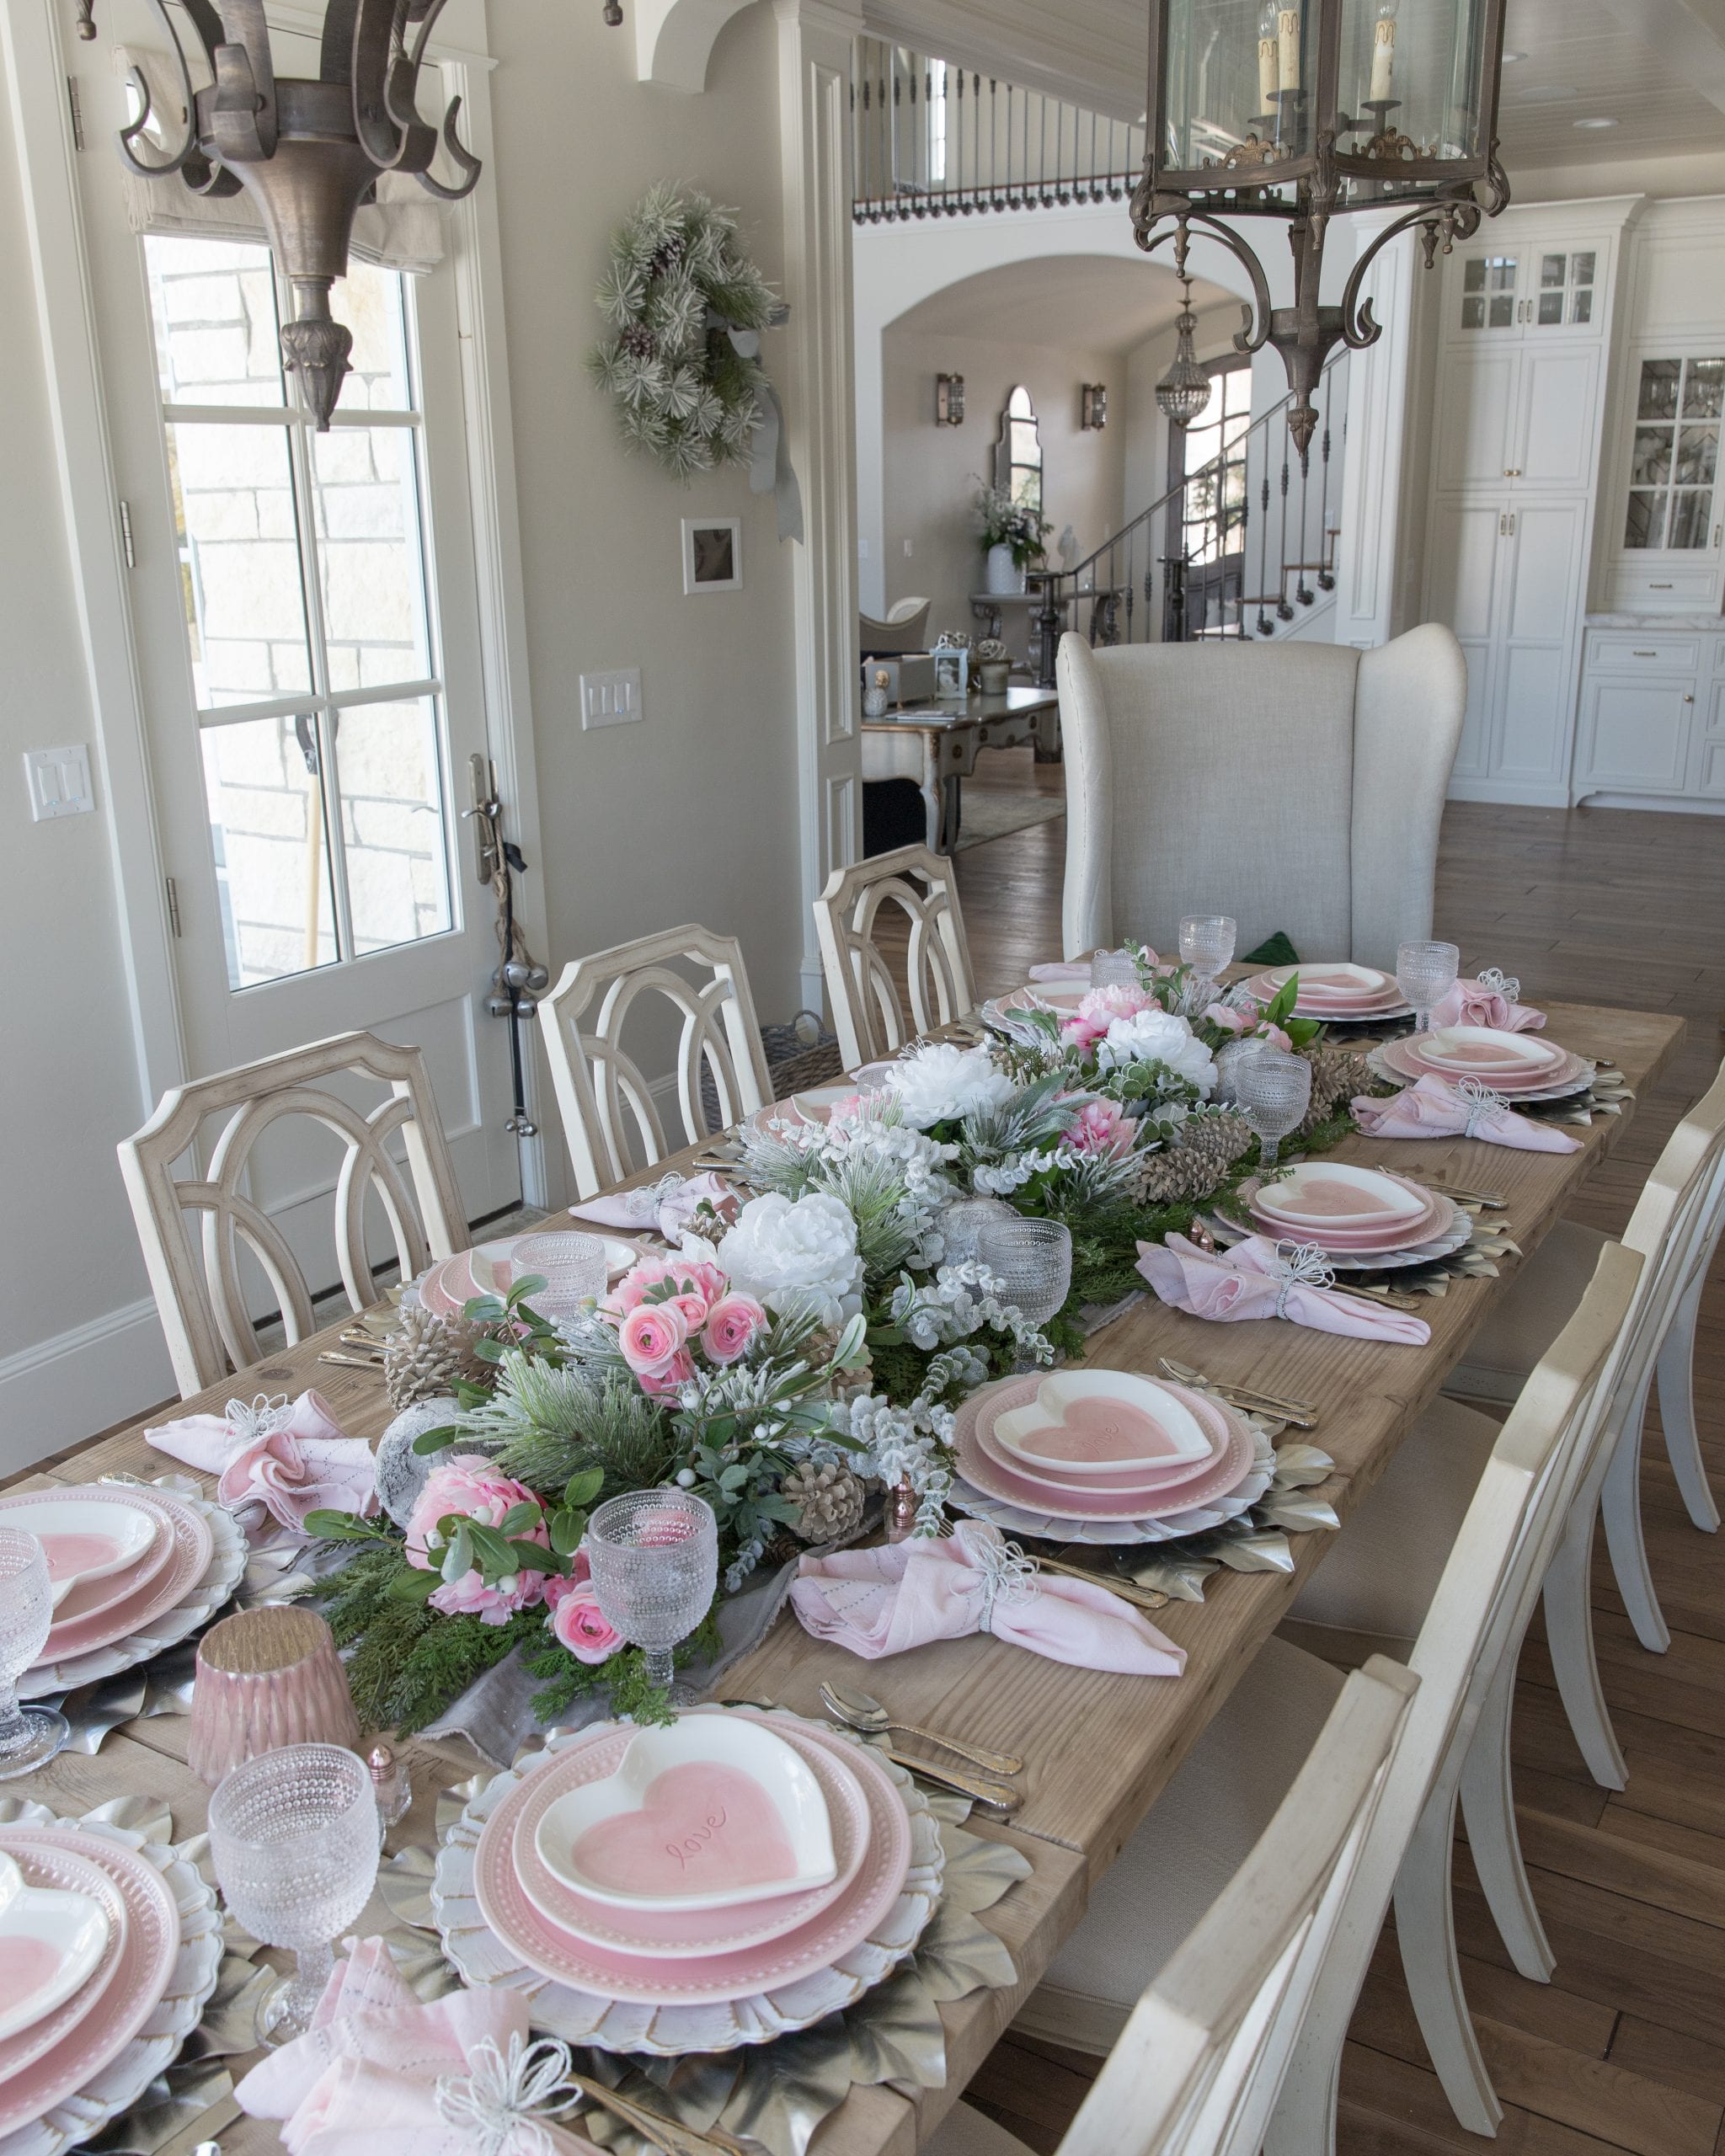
column 679, row 284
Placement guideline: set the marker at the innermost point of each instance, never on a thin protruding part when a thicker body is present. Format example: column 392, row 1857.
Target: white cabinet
column 1663, row 514
column 1652, row 722
column 1501, row 286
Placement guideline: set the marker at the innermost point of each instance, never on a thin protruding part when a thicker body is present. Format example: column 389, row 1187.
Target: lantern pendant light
column 1303, row 110
column 1184, row 392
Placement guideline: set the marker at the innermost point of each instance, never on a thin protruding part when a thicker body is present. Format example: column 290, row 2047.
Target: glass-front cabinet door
column 1564, row 298
column 1488, row 294
column 1528, row 289
column 1674, row 457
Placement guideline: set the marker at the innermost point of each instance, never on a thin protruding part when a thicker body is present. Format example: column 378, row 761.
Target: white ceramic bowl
column 1082, row 1421
column 1380, row 1199
column 51, row 1939
column 83, row 1540
column 1479, row 1051
column 710, row 1813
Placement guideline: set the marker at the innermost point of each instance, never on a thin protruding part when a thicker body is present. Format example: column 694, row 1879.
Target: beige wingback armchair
column 1296, row 787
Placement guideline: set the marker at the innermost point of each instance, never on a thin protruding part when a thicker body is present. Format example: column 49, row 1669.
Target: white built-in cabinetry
column 1525, row 343
column 1652, row 723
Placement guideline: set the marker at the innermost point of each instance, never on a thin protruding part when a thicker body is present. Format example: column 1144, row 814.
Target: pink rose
column 1229, row 1019
column 731, row 1324
column 1103, row 1127
column 652, row 1336
column 468, row 1485
column 1276, row 1037
column 581, row 1626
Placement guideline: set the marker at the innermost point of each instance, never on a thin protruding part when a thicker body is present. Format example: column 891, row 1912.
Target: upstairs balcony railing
column 935, row 140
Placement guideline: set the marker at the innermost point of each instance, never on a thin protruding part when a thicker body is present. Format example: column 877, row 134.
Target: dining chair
column 1677, row 1224
column 1485, row 1533
column 602, row 1087
column 1198, row 1833
column 1196, row 2065
column 867, row 1015
column 203, row 1304
column 1298, row 788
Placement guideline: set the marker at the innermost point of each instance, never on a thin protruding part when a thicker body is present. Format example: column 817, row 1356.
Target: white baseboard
column 68, row 1387
column 1508, row 792
column 1686, row 805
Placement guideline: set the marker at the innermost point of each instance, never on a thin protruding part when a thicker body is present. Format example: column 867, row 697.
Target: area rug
column 995, row 812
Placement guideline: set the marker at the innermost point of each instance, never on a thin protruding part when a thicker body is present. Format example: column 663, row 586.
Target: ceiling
column 1655, row 67
column 1105, row 302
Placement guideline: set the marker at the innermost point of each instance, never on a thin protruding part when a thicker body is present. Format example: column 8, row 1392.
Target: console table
column 936, row 745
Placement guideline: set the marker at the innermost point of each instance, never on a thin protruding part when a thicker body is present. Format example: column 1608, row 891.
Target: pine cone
column 426, row 1354
column 829, row 1501
column 1209, row 1146
column 667, row 256
column 1337, row 1074
column 638, row 341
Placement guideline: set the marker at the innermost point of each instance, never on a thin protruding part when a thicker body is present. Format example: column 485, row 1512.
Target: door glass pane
column 1500, row 313
column 1645, row 525
column 1688, row 516
column 1697, row 454
column 1581, row 269
column 1704, row 389
column 1651, row 464
column 239, row 558
column 1473, row 314
column 272, row 854
column 1473, row 274
column 213, row 303
column 370, row 565
column 1658, row 389
column 1551, row 306
column 1582, row 307
column 391, row 822
column 1552, row 268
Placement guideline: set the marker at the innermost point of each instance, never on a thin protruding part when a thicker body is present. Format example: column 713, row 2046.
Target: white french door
column 305, row 619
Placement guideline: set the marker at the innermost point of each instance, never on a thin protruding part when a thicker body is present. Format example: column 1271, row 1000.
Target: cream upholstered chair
column 1196, row 2066
column 866, row 1013
column 601, row 1090
column 203, row 1306
column 1297, row 786
column 1198, row 1833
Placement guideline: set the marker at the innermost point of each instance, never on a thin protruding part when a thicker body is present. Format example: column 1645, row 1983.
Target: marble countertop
column 1697, row 621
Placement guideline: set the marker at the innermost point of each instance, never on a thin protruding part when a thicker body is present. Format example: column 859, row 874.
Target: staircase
column 1242, row 548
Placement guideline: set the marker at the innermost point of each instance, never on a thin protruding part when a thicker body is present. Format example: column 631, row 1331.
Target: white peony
column 1159, row 1037
column 781, row 1252
column 941, row 1083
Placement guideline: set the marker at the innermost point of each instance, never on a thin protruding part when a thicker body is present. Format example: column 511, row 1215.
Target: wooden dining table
column 1098, row 1748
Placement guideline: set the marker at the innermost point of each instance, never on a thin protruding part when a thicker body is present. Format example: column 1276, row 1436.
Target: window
column 308, row 620
column 1212, row 510
column 1675, row 453
column 1019, row 453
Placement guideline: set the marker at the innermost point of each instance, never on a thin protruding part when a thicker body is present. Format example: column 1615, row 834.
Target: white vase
column 1004, row 574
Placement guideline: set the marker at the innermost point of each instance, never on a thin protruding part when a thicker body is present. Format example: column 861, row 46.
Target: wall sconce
column 1093, row 406
column 950, row 400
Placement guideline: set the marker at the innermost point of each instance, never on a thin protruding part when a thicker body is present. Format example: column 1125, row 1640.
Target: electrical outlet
column 613, row 699
column 59, row 781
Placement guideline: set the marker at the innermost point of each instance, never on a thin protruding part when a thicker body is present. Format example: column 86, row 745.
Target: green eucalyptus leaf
column 436, row 1440
column 520, row 1518
column 413, row 1586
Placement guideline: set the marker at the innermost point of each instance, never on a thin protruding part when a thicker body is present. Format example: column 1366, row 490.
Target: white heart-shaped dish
column 83, row 1539
column 1101, row 1422
column 50, row 1940
column 710, row 1813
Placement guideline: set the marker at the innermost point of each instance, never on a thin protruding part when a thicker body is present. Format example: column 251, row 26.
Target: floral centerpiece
column 1003, row 522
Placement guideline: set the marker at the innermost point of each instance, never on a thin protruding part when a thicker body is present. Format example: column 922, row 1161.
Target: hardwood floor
column 1625, row 2049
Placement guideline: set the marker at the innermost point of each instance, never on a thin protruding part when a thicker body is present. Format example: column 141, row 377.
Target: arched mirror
column 1018, row 455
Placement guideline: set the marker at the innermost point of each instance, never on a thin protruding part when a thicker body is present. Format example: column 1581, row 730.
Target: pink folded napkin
column 1490, row 1000
column 379, row 2074
column 880, row 1602
column 1433, row 1108
column 1063, row 970
column 289, row 1460
column 668, row 1205
column 1260, row 1279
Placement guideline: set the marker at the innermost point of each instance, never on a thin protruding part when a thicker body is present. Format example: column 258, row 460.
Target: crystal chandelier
column 1183, row 391
column 308, row 153
column 1303, row 110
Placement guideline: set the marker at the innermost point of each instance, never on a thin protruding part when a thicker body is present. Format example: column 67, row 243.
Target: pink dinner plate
column 91, row 1598
column 1136, row 1482
column 192, row 1540
column 1338, row 1194
column 1568, row 1071
column 1061, row 1501
column 1329, row 991
column 691, row 1934
column 139, row 1974
column 68, row 1873
column 641, row 1980
column 1404, row 1232
column 1482, row 1051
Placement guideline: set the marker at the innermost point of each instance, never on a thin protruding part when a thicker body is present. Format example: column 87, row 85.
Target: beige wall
column 933, row 473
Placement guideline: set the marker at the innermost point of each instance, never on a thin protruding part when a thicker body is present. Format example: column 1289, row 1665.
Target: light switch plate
column 613, row 699
column 59, row 781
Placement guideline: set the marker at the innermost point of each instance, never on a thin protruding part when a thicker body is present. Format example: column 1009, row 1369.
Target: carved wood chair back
column 867, row 1014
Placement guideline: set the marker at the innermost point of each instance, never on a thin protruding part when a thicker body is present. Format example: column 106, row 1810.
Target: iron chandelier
column 1305, row 110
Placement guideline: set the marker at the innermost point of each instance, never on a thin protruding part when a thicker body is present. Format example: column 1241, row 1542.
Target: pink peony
column 697, row 1285
column 731, row 1324
column 1229, row 1019
column 652, row 1337
column 1097, row 1011
column 470, row 1597
column 1103, row 1127
column 1276, row 1037
column 471, row 1485
column 578, row 1623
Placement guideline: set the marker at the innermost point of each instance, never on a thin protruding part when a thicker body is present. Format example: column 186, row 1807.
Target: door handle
column 1512, row 524
column 1503, row 525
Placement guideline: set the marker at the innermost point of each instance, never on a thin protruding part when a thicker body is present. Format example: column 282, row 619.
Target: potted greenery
column 1012, row 533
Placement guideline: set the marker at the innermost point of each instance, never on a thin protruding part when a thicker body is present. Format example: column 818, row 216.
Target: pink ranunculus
column 470, row 1597
column 697, row 1286
column 558, row 1584
column 652, row 1336
column 1276, row 1037
column 471, row 1485
column 1229, row 1019
column 664, row 1384
column 1103, row 1127
column 732, row 1323
column 581, row 1626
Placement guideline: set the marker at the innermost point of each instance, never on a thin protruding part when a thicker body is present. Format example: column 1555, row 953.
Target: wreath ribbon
column 770, row 467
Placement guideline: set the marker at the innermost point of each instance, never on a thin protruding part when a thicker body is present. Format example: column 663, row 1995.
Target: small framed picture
column 712, row 554
column 951, row 673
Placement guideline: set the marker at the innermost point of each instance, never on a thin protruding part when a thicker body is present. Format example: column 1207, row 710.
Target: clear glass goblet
column 1425, row 973
column 1114, row 970
column 1207, row 942
column 1033, row 1262
column 655, row 1558
column 1273, row 1090
column 28, row 1735
column 575, row 1269
column 294, row 1838
column 962, row 1221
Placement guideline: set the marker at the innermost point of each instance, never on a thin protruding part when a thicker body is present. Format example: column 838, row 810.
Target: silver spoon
column 862, row 1711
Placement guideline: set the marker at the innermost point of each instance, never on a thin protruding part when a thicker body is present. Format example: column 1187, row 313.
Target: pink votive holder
column 267, row 1677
